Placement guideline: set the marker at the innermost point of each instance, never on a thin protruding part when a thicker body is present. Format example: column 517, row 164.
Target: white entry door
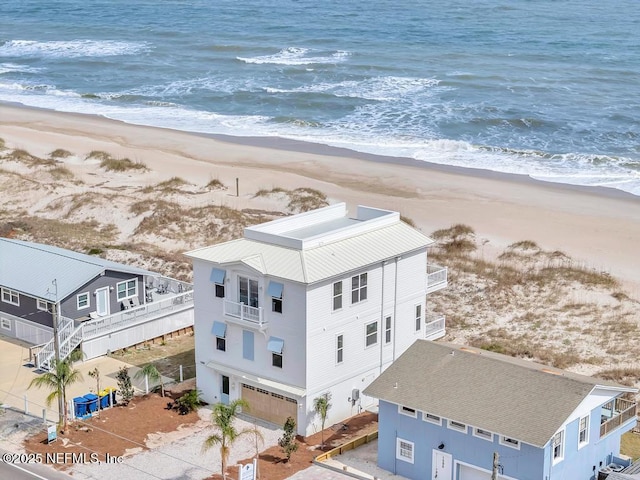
column 102, row 301
column 441, row 466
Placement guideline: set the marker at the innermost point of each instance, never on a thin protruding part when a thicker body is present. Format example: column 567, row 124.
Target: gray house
column 100, row 304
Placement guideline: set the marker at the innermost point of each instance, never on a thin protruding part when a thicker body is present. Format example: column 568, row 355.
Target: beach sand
column 600, row 227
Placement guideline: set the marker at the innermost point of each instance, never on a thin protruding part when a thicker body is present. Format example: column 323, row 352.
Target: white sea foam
column 17, row 68
column 71, row 48
column 296, row 56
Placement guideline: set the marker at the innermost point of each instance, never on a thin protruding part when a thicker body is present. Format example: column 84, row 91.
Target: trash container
column 112, row 390
column 80, row 406
column 104, row 398
column 92, row 402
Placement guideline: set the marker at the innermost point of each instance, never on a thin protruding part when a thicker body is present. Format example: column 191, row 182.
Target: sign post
column 248, row 471
column 52, row 433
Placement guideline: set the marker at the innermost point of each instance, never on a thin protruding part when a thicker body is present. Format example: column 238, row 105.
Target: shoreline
column 595, row 225
column 300, row 146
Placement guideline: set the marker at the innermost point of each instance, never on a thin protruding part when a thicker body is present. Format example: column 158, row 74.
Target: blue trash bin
column 92, row 402
column 80, row 406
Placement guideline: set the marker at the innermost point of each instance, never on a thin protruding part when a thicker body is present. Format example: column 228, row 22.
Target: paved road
column 15, row 470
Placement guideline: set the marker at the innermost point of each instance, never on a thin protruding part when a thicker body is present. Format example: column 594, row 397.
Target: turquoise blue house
column 449, row 412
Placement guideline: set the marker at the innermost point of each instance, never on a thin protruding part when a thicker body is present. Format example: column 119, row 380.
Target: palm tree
column 321, row 405
column 222, row 418
column 151, row 372
column 57, row 380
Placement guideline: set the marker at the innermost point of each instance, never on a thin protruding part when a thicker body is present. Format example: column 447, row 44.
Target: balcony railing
column 434, row 327
column 623, row 410
column 436, row 277
column 245, row 313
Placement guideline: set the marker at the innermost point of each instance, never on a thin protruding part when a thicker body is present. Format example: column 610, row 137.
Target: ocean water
column 545, row 88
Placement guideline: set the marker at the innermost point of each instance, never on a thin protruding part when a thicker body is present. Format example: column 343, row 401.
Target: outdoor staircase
column 69, row 337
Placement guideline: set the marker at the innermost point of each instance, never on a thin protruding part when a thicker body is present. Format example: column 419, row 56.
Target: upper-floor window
column 583, row 431
column 359, row 288
column 428, row 417
column 219, row 330
column 557, row 445
column 337, row 295
column 248, row 293
column 127, row 289
column 481, row 433
column 42, row 305
column 418, row 317
column 275, row 292
column 339, row 348
column 371, row 334
column 411, row 412
column 82, row 300
column 218, row 277
column 5, row 323
column 10, row 296
column 510, row 442
column 461, row 427
column 387, row 330
column 275, row 345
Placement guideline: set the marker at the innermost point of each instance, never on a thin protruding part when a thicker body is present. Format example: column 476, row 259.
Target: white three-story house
column 312, row 304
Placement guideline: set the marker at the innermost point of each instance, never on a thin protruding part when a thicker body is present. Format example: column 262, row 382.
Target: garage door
column 470, row 473
column 269, row 406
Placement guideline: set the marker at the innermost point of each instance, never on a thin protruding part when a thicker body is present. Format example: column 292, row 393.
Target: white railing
column 436, row 277
column 69, row 337
column 116, row 321
column 434, row 327
column 244, row 312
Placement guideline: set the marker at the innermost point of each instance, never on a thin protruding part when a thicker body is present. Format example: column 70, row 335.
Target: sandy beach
column 598, row 226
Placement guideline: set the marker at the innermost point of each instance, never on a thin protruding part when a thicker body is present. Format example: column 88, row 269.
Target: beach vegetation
column 215, row 184
column 60, row 153
column 189, row 401
column 121, row 165
column 173, row 185
column 20, row 155
column 125, row 388
column 408, row 221
column 97, row 155
column 3, row 145
column 288, row 439
column 60, row 172
column 458, row 239
column 630, row 445
column 322, row 405
column 301, row 199
column 150, row 373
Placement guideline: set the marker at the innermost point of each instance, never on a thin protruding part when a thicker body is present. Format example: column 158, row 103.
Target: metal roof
column 508, row 396
column 31, row 268
column 321, row 262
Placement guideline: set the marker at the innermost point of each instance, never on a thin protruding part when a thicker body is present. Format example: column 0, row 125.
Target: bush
column 124, row 385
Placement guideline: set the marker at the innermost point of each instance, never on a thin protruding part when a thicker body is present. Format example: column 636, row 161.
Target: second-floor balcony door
column 102, row 301
column 248, row 291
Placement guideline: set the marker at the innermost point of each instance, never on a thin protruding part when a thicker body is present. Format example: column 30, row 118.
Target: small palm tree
column 151, row 372
column 57, row 380
column 222, row 418
column 321, row 405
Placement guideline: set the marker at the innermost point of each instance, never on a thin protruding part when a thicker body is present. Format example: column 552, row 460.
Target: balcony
column 434, row 327
column 615, row 414
column 436, row 277
column 246, row 315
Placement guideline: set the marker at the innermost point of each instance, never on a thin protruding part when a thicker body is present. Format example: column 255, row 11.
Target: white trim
column 408, row 411
column 388, row 330
column 3, row 323
column 88, row 305
column 126, row 289
column 560, row 457
column 366, row 335
column 432, row 419
column 586, row 440
column 406, row 446
column 9, row 296
column 457, row 463
column 418, row 317
column 361, row 289
column 509, row 442
column 339, row 349
column 40, row 303
column 334, row 296
column 451, row 425
column 483, row 435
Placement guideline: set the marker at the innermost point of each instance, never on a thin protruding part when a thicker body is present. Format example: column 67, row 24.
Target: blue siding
column 247, row 345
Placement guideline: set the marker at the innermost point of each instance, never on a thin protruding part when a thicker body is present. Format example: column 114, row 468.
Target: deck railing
column 436, row 277
column 434, row 327
column 246, row 313
column 109, row 323
column 623, row 410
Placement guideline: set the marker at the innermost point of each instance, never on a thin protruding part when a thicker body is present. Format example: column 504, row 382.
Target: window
column 583, row 431
column 337, row 295
column 219, row 330
column 339, row 348
column 275, row 292
column 276, row 359
column 453, row 425
column 359, row 288
column 557, row 446
column 510, row 442
column 10, row 296
column 5, row 323
column 42, row 305
column 418, row 317
column 387, row 330
column 82, row 300
column 127, row 289
column 275, row 346
column 411, row 412
column 371, row 334
column 247, row 345
column 480, row 433
column 217, row 277
column 404, row 450
column 428, row 417
column 248, row 291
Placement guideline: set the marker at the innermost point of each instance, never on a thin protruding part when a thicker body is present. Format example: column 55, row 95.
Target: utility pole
column 56, row 346
column 496, row 465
